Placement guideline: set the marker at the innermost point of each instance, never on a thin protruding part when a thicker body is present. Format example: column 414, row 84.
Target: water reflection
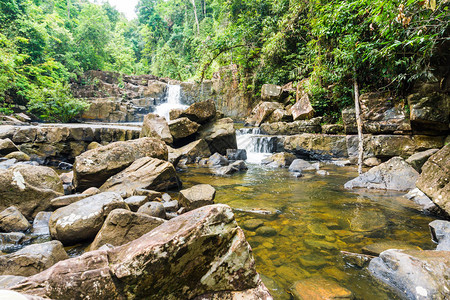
column 307, row 221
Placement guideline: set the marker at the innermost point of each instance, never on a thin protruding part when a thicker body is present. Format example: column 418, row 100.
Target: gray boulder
column 236, row 154
column 66, row 200
column 154, row 209
column 425, row 203
column 82, row 220
column 440, row 233
column 232, row 168
column 434, row 180
column 41, row 223
column 7, row 281
column 220, row 135
column 414, row 274
column 182, row 127
column 32, row 259
column 200, row 252
column 156, row 127
column 10, row 241
column 190, row 151
column 279, row 160
column 12, row 220
column 395, row 174
column 417, row 160
column 122, row 226
column 29, row 188
column 7, row 146
column 299, row 165
column 200, row 112
column 197, row 196
column 145, row 173
column 134, row 202
column 92, row 168
column 217, row 160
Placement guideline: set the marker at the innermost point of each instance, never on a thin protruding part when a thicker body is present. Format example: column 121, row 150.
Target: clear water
column 313, row 218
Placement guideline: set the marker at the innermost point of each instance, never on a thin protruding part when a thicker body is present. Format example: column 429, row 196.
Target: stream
column 310, row 220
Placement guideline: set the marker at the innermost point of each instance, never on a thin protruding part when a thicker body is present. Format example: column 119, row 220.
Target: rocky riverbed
column 140, row 206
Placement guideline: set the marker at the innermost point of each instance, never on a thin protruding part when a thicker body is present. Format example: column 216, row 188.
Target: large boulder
column 7, row 146
column 197, row 196
column 349, row 121
column 434, row 180
column 271, row 92
column 145, row 173
column 379, row 114
column 201, row 112
column 429, row 110
column 199, row 252
column 12, row 220
column 417, row 160
column 316, row 146
column 153, row 209
column 220, row 135
column 395, row 174
column 182, row 127
column 279, row 160
column 414, row 274
column 94, row 167
column 32, row 259
column 82, row 220
column 440, row 233
column 291, row 128
column 261, row 112
column 29, row 188
column 156, row 127
column 122, row 226
column 191, row 151
column 302, row 109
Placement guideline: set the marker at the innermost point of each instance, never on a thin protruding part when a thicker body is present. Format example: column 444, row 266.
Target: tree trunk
column 195, row 15
column 68, row 9
column 359, row 125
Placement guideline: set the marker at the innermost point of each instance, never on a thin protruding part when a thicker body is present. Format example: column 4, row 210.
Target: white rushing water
column 173, row 101
column 257, row 145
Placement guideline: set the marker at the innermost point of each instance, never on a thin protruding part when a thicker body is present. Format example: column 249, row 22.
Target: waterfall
column 173, row 101
column 257, row 145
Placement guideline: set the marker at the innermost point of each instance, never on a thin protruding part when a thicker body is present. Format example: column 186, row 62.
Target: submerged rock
column 82, row 220
column 197, row 196
column 144, row 173
column 318, row 288
column 414, row 274
column 12, row 220
column 395, row 174
column 29, row 188
column 200, row 252
column 435, row 178
column 94, row 167
column 32, row 259
column 123, row 226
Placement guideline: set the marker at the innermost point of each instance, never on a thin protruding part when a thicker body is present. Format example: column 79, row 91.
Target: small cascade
column 173, row 101
column 257, row 145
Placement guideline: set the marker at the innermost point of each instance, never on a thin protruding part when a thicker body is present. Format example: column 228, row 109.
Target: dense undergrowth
column 384, row 45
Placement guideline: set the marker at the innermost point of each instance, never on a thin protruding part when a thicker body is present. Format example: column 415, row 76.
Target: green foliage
column 55, row 104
